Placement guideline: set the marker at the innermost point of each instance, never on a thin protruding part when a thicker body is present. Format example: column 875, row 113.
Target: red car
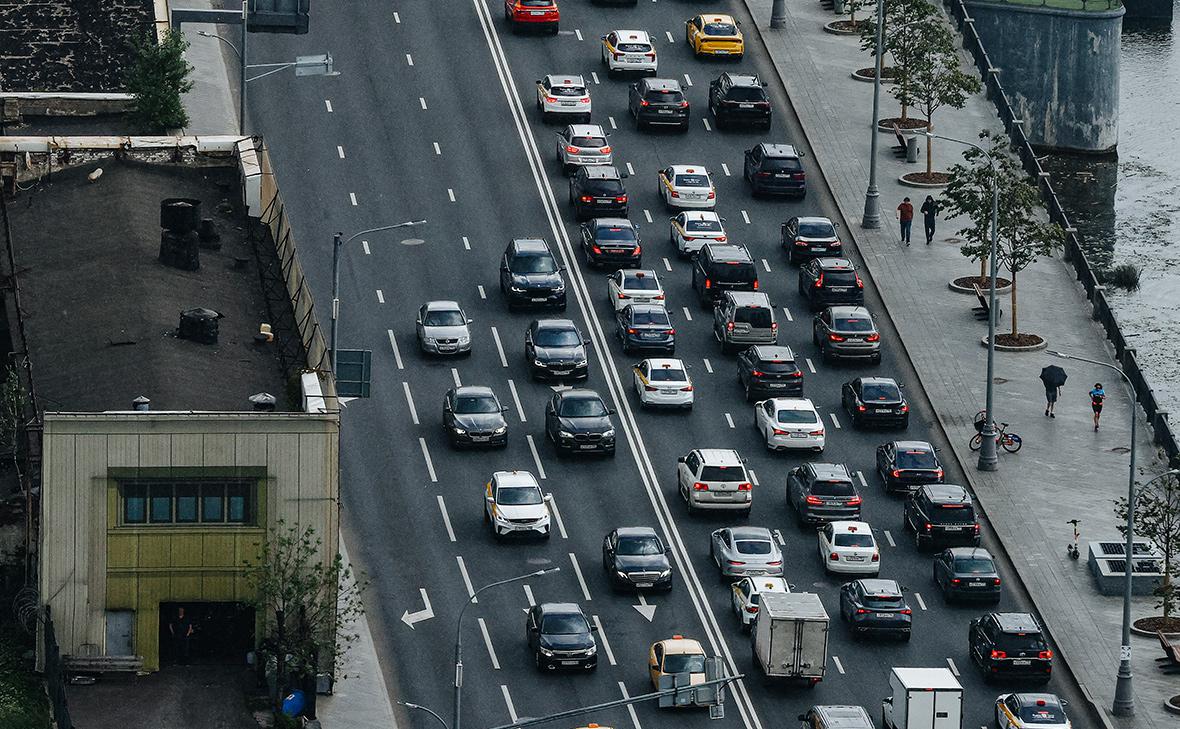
column 540, row 14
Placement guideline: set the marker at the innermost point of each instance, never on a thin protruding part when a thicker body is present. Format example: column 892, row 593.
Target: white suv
column 714, row 478
column 514, row 504
column 629, row 50
column 563, row 95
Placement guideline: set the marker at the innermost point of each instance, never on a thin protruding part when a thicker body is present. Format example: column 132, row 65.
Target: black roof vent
column 141, row 404
column 199, row 325
column 263, row 402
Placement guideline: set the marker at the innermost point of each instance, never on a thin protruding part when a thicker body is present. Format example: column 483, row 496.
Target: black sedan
column 555, row 348
column 613, row 241
column 559, row 636
column 645, row 327
column 904, row 465
column 472, row 416
column 967, row 573
column 875, row 606
column 635, row 557
column 875, row 401
column 579, row 421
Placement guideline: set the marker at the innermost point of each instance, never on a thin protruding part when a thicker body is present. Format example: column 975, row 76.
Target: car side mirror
column 610, row 411
column 470, row 321
column 791, row 586
column 539, row 80
column 624, row 175
column 904, row 588
column 802, row 155
column 548, row 498
column 418, row 322
column 489, row 499
column 722, row 220
column 667, row 551
column 835, row 225
column 680, row 459
column 803, row 717
column 602, row 37
column 561, row 268
column 503, row 408
column 593, row 628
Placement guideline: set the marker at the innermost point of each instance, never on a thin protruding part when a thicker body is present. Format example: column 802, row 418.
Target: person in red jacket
column 905, row 214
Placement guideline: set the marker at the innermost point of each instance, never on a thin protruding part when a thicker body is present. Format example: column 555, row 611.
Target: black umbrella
column 1053, row 376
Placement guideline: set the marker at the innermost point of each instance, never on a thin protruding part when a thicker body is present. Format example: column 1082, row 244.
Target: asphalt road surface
column 433, row 118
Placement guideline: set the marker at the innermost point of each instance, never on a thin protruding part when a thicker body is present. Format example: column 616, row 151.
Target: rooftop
column 101, row 312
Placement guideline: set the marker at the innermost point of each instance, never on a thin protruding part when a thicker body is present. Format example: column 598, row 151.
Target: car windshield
column 518, row 495
column 568, row 91
column 755, row 316
column 692, row 181
column 853, row 540
column 581, row 141
column 641, row 283
column 954, row 514
column 468, row 404
column 564, row 625
column 557, row 338
column 832, row 488
column 974, row 566
column 667, row 374
column 720, row 29
column 633, row 47
column 882, row 602
column 854, row 324
column 615, row 233
column 797, row 417
column 664, row 96
column 781, row 164
column 879, row 391
column 1021, row 642
column 582, row 407
column 684, row 663
column 452, row 318
column 703, row 226
column 817, row 230
column 723, row 473
column 602, row 187
column 746, row 93
column 776, row 365
column 654, row 317
column 534, row 263
column 916, row 459
column 536, row 3
column 636, row 546
column 1046, row 714
column 839, row 278
column 753, row 546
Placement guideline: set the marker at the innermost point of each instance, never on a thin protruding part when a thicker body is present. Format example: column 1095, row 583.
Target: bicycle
column 1072, row 549
column 1008, row 441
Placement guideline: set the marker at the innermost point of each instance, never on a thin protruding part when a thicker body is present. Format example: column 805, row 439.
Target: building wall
column 90, row 562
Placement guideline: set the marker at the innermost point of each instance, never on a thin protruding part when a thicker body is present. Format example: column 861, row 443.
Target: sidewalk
column 1065, row 470
column 212, row 107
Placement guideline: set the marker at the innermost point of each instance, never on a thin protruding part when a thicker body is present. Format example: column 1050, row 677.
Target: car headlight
column 501, row 430
column 516, row 289
column 458, row 430
column 582, row 362
column 538, row 363
column 610, row 433
column 546, row 652
column 564, row 434
column 621, row 574
column 666, row 573
column 464, row 339
column 427, row 339
column 560, row 286
column 592, row 650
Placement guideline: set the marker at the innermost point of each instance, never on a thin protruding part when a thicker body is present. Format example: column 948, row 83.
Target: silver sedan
column 745, row 551
column 443, row 328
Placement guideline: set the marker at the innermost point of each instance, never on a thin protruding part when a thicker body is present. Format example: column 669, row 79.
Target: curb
column 868, row 79
column 1000, row 290
column 1150, row 633
column 838, row 31
column 921, row 185
column 904, row 132
column 1172, row 704
column 1018, row 348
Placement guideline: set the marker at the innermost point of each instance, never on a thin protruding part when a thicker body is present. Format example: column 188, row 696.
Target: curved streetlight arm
column 354, row 236
column 206, row 34
column 411, row 705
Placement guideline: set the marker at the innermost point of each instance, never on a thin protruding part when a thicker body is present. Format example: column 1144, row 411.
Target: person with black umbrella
column 1053, row 377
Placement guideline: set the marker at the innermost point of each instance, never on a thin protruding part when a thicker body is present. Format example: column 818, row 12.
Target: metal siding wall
column 188, row 450
column 90, row 464
column 58, row 553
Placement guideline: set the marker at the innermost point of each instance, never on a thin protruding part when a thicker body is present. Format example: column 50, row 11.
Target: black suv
column 560, row 637
column 775, row 169
column 827, row 281
column 968, row 573
column 612, row 240
column 598, row 190
column 769, row 371
column 875, row 606
column 822, row 492
column 904, row 465
column 659, row 101
column 809, row 237
column 722, row 267
column 635, row 557
column 941, row 514
column 739, row 97
column 555, row 348
column 1010, row 644
column 531, row 276
column 578, row 421
column 875, row 400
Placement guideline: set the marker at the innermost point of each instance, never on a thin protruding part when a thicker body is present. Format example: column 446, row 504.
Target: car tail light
column 928, row 526
column 854, row 501
column 644, row 102
column 835, row 244
column 774, row 326
column 999, row 654
column 708, row 283
column 762, row 104
column 669, row 332
column 630, row 330
column 621, row 199
column 755, row 280
column 550, row 99
column 675, row 194
column 896, row 473
column 874, row 337
column 621, row 295
column 756, row 373
column 780, row 432
column 905, row 407
column 698, row 486
column 955, row 580
column 799, row 176
column 650, row 56
column 860, row 408
column 859, row 284
column 814, row 500
column 776, row 563
column 977, row 529
column 876, row 556
column 801, row 243
column 719, row 239
column 751, row 609
column 684, row 104
column 587, row 198
column 817, row 432
column 906, row 611
column 835, row 337
column 729, row 326
column 686, row 388
column 745, row 486
column 658, row 297
column 1045, row 655
column 763, row 174
column 585, row 99
column 996, row 581
column 596, row 249
column 638, row 251
column 834, row 557
column 712, row 195
column 604, row 150
column 650, row 388
column 570, row 149
column 861, row 611
column 938, row 473
column 734, row 563
column 796, row 373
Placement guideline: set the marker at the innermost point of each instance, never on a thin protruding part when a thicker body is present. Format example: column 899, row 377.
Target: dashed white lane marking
column 560, row 523
column 708, row 366
column 889, row 538
column 861, row 477
column 340, row 151
column 578, row 573
column 536, row 456
column 487, row 640
column 508, row 702
column 623, row 686
column 630, row 169
column 398, row 19
column 673, row 40
column 466, row 244
column 500, row 351
column 667, row 265
column 380, row 297
column 422, row 101
column 706, row 123
column 578, row 35
column 954, row 668
column 725, row 169
column 466, row 579
column 836, row 660
column 429, row 463
column 687, row 80
column 754, row 480
column 647, row 214
column 766, row 265
column 352, row 198
column 746, row 217
column 516, row 399
column 787, row 313
column 437, row 150
column 397, row 355
column 611, row 119
column 921, row 602
column 810, row 366
column 594, row 76
column 410, row 402
column 328, row 103
column 409, row 59
column 528, row 595
column 687, row 314
column 729, row 420
column 442, row 507
column 455, row 376
column 610, row 655
column 365, row 245
column 835, row 420
column 482, row 294
column 451, row 194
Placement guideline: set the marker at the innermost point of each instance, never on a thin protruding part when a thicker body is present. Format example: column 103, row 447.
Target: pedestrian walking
column 181, row 631
column 1053, row 377
column 929, row 210
column 1097, row 397
column 905, row 214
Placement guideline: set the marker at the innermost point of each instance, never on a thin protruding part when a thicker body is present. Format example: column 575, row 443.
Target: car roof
column 579, row 393
column 612, row 223
column 688, row 646
column 831, row 470
column 700, row 215
column 851, row 527
column 774, row 352
column 600, row 172
column 442, row 305
column 728, row 252
column 912, row 445
column 514, row 478
column 750, row 298
column 850, row 311
column 1038, row 700
column 631, row 274
column 970, row 552
column 743, row 79
column 720, row 456
column 845, row 716
column 473, row 391
column 646, row 308
column 559, row 608
column 587, row 130
column 689, row 170
column 633, row 36
column 778, row 150
column 831, row 264
column 1017, row 622
column 878, row 381
column 947, row 492
column 565, row 79
column 663, row 84
column 554, row 324
column 792, row 403
column 665, row 362
column 716, row 18
column 769, row 584
column 641, row 531
column 814, row 219
column 524, row 245
column 751, row 532
column 880, row 586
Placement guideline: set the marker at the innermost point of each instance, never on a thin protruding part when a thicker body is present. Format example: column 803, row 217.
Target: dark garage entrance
column 222, row 632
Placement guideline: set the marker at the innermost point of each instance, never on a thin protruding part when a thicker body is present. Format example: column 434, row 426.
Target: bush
column 22, row 696
column 1124, row 276
column 158, row 78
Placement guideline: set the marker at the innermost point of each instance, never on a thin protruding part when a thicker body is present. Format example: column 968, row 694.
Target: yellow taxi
column 714, row 35
column 676, row 655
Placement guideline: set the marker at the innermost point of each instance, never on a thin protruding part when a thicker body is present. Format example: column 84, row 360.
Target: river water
column 1128, row 210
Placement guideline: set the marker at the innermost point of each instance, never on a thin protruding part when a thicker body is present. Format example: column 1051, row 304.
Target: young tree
column 969, row 195
column 900, row 16
column 935, row 81
column 1157, row 519
column 853, row 5
column 158, row 77
column 910, row 46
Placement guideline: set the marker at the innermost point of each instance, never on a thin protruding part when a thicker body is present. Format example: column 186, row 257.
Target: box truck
column 790, row 636
column 923, row 698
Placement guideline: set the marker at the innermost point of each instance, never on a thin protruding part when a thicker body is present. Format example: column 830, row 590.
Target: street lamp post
column 338, row 242
column 455, row 720
column 428, row 710
column 872, row 214
column 988, row 457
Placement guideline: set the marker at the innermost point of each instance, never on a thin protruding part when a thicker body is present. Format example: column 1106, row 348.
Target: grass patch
column 22, row 696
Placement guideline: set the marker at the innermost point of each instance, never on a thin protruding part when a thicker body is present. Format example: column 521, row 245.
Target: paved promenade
column 1065, row 470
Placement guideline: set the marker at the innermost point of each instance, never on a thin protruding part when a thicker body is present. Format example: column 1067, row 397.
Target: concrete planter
column 868, row 77
column 831, row 27
column 1018, row 348
column 903, row 179
column 1000, row 290
column 1173, row 704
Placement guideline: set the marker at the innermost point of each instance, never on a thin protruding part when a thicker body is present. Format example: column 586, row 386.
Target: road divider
column 466, row 578
column 429, row 463
column 536, row 456
column 487, row 641
column 610, row 655
column 442, row 509
column 578, row 574
column 410, row 402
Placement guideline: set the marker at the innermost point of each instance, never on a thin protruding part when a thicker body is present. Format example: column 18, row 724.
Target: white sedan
column 692, row 229
column 562, row 95
column 687, row 186
column 848, row 547
column 514, row 504
column 633, row 286
column 789, row 423
column 663, row 383
column 1031, row 711
column 629, row 50
column 746, row 594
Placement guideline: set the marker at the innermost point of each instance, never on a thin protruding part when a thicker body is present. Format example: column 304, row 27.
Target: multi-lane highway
column 433, row 118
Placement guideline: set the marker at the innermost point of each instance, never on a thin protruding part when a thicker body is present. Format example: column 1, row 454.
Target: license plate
column 887, row 616
column 798, row 435
column 633, row 59
column 644, row 584
column 587, row 447
column 855, row 339
column 1021, row 662
column 650, row 335
column 480, row 438
column 776, row 384
column 839, row 289
column 538, row 12
column 745, row 106
column 755, row 573
column 663, row 111
column 781, row 176
column 445, row 347
column 569, row 663
column 561, row 372
column 668, row 392
column 569, row 103
column 953, row 528
column 882, row 410
column 722, row 53
column 854, row 558
column 602, row 200
column 974, row 584
column 538, row 298
column 818, row 249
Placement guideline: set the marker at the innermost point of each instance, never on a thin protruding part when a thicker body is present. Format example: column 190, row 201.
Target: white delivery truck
column 790, row 636
column 923, row 698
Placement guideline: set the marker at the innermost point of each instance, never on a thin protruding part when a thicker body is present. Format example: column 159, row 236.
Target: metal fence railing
column 1125, row 354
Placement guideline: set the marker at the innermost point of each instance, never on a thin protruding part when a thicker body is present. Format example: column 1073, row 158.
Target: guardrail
column 1103, row 313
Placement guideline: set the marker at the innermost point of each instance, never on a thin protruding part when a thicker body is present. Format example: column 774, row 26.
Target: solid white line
column 528, row 595
column 365, row 245
column 688, row 314
column 725, row 169
column 380, row 297
column 500, row 351
column 647, row 214
column 328, row 103
column 611, row 119
column 706, row 123
column 578, row 34
column 352, row 198
column 623, row 688
column 810, row 366
column 687, row 80
column 429, row 463
column 508, row 701
column 487, row 640
column 921, row 602
column 437, row 150
column 594, row 76
column 673, row 40
column 631, row 171
column 410, row 402
column 708, row 366
column 422, row 101
column 729, row 419
column 516, row 399
column 397, row 356
column 954, row 668
column 766, row 265
column 466, row 244
column 398, row 19
column 787, row 313
column 455, row 374
column 836, row 659
column 746, row 217
column 536, row 456
column 835, row 422
column 557, row 518
column 753, row 477
column 409, row 59
column 442, row 507
column 484, row 295
column 340, row 151
column 466, row 579
column 861, row 476
column 668, row 266
column 889, row 538
column 610, row 655
column 578, row 573
column 451, row 194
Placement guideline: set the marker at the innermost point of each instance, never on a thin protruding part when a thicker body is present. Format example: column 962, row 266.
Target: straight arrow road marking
column 328, row 103
column 409, row 618
column 365, row 245
column 466, row 244
column 610, row 655
column 487, row 640
column 647, row 611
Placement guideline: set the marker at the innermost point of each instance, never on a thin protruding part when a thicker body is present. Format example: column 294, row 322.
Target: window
column 193, row 501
